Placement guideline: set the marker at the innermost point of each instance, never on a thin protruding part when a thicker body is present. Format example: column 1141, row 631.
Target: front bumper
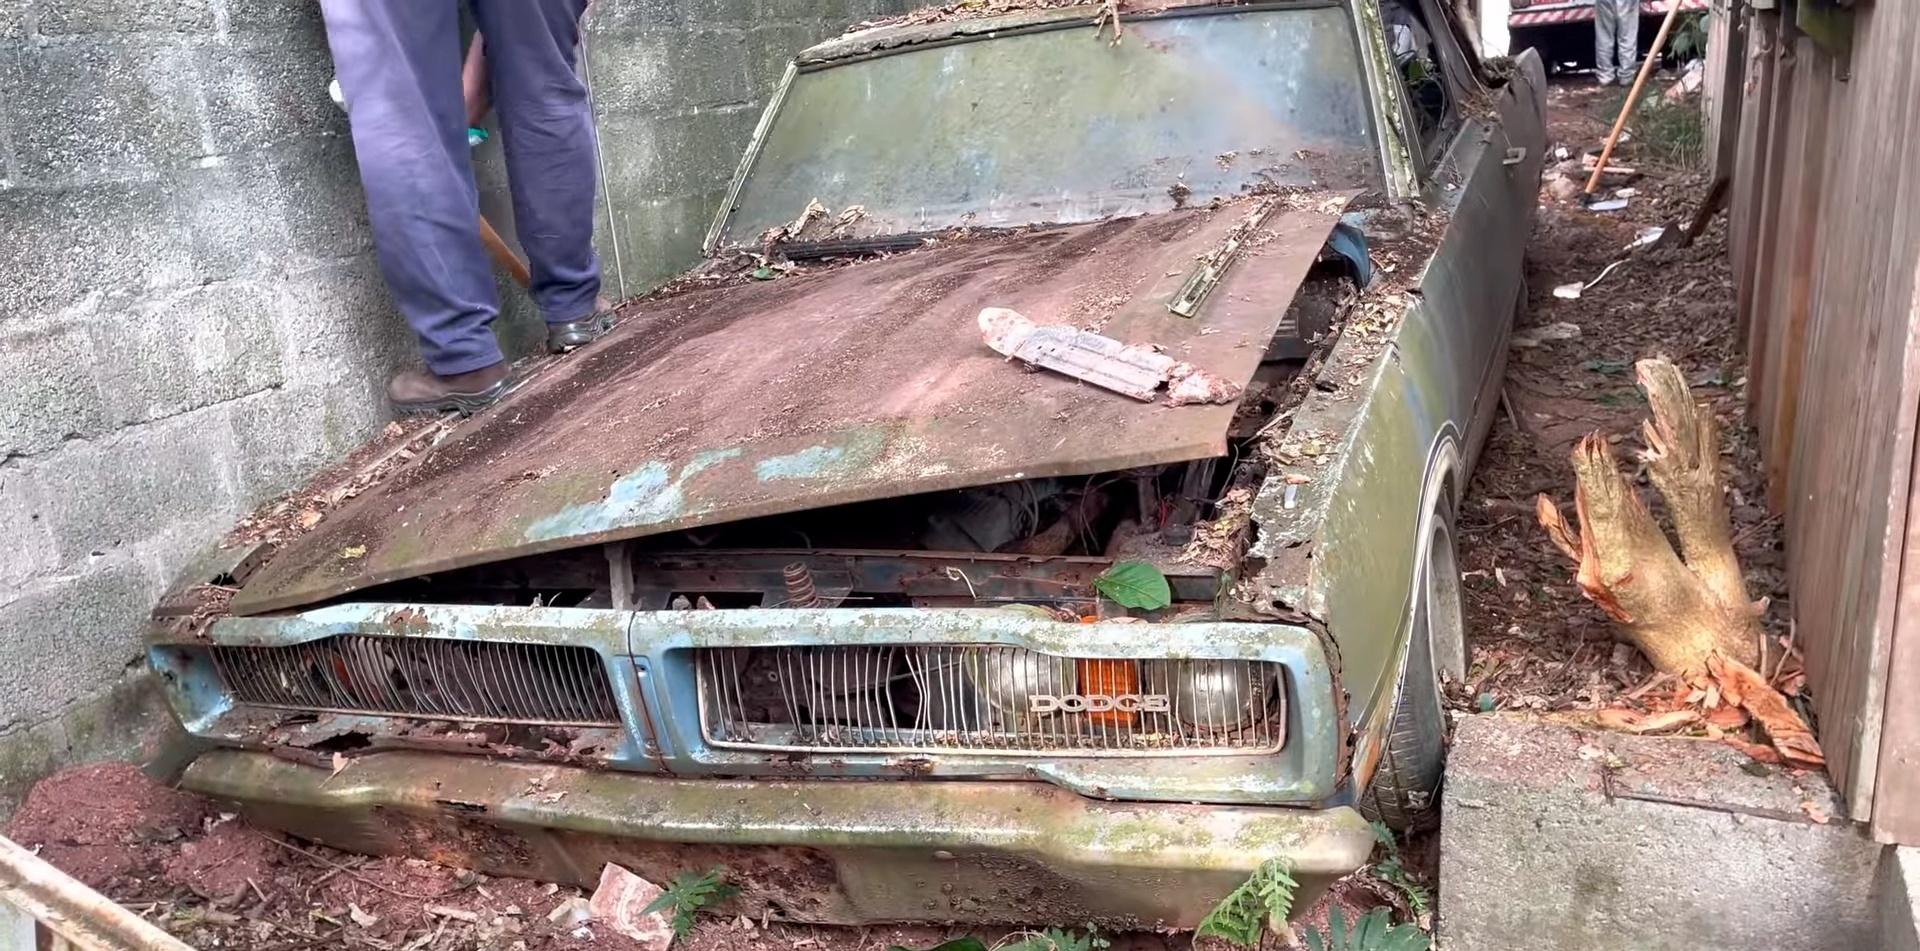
column 836, row 852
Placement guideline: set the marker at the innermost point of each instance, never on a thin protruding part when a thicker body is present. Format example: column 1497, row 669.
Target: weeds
column 687, row 894
column 1375, row 931
column 1261, row 903
column 1390, row 871
column 1666, row 133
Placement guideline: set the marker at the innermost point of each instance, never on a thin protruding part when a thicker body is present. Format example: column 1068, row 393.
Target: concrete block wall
column 191, row 321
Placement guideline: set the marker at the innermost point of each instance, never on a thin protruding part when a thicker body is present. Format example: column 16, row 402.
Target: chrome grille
column 439, row 678
column 982, row 699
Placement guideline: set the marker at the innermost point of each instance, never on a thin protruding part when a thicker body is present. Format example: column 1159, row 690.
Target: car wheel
column 1405, row 790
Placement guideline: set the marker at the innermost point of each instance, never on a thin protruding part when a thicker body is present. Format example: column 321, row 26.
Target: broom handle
column 1633, row 95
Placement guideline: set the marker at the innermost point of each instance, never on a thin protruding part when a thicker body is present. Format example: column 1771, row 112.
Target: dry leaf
column 340, row 762
column 309, row 518
column 361, row 917
column 1814, row 812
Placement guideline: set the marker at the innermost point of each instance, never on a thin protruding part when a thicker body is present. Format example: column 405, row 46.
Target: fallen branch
column 356, row 876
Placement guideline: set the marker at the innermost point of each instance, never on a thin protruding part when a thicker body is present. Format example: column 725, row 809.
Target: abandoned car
column 793, row 575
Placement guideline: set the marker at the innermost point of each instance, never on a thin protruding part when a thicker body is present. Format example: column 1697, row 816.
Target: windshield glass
column 1057, row 125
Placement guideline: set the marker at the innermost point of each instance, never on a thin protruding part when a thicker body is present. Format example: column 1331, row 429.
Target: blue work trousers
column 398, row 63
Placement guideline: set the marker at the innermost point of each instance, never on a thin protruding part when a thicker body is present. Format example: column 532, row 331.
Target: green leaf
column 1484, row 703
column 957, row 944
column 687, row 894
column 1606, row 366
column 763, row 273
column 1135, row 584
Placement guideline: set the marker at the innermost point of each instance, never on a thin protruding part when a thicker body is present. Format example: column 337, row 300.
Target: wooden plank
column 1764, row 298
column 1720, row 99
column 1802, row 181
column 1895, row 805
column 1851, row 459
column 1750, row 169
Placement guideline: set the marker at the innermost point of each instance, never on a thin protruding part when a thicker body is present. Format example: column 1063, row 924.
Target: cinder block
column 263, row 94
column 291, row 433
column 190, row 348
column 653, row 72
column 28, row 551
column 95, row 111
column 125, row 490
column 630, row 16
column 50, row 393
column 338, row 327
column 274, row 16
column 1556, row 839
column 770, row 47
column 126, row 16
column 659, row 238
column 74, row 250
column 236, row 213
column 326, row 210
column 71, row 636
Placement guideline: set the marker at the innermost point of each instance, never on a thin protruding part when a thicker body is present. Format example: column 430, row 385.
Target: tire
column 1405, row 790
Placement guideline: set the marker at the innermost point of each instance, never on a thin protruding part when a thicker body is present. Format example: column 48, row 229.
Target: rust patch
column 862, row 382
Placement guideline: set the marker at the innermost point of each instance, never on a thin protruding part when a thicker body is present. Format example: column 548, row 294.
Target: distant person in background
column 400, row 73
column 1616, row 40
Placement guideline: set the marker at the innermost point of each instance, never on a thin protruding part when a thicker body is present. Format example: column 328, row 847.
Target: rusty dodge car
column 791, row 574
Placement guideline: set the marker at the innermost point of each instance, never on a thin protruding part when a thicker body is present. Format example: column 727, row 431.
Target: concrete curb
column 1560, row 839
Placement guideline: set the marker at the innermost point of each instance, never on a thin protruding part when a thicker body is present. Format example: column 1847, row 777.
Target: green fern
column 687, row 894
column 1396, row 875
column 1375, row 931
column 1263, row 902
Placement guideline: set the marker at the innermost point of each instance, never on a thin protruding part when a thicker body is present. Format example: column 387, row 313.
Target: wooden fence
column 1825, row 239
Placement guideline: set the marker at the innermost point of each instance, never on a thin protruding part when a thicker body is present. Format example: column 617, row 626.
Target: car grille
column 984, row 699
column 439, row 678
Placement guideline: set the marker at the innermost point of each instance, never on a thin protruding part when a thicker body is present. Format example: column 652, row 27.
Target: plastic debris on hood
column 1129, row 369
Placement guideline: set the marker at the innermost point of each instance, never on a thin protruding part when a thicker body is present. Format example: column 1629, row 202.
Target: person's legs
column 546, row 129
column 1603, row 41
column 1627, row 14
column 399, row 69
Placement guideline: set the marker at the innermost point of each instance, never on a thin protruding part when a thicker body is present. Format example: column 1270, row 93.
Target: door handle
column 1515, row 155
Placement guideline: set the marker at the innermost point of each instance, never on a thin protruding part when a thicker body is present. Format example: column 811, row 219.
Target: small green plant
column 1689, row 37
column 687, row 894
column 1135, row 584
column 1390, row 870
column 1375, row 931
column 1262, row 903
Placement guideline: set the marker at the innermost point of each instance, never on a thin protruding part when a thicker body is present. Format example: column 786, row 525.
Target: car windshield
column 1053, row 124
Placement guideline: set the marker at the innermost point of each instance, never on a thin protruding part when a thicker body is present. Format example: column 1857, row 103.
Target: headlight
column 1009, row 678
column 1217, row 696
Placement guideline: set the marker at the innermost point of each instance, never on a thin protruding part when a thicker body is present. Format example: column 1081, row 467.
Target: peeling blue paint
column 809, row 463
column 645, row 496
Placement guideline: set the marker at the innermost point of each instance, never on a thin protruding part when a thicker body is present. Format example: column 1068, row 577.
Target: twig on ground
column 356, row 876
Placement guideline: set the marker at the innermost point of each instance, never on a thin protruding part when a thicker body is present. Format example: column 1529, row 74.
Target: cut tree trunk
column 1687, row 610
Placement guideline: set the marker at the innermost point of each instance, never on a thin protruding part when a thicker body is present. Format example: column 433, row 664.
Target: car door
column 1483, row 171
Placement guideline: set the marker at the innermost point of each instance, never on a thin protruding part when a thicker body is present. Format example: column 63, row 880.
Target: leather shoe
column 574, row 334
column 416, row 392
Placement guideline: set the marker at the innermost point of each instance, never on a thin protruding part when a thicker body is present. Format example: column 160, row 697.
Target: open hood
column 849, row 384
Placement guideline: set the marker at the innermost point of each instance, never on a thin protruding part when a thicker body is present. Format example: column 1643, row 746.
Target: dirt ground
column 1536, row 644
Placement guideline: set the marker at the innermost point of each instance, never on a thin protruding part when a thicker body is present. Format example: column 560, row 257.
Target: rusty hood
column 817, row 389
